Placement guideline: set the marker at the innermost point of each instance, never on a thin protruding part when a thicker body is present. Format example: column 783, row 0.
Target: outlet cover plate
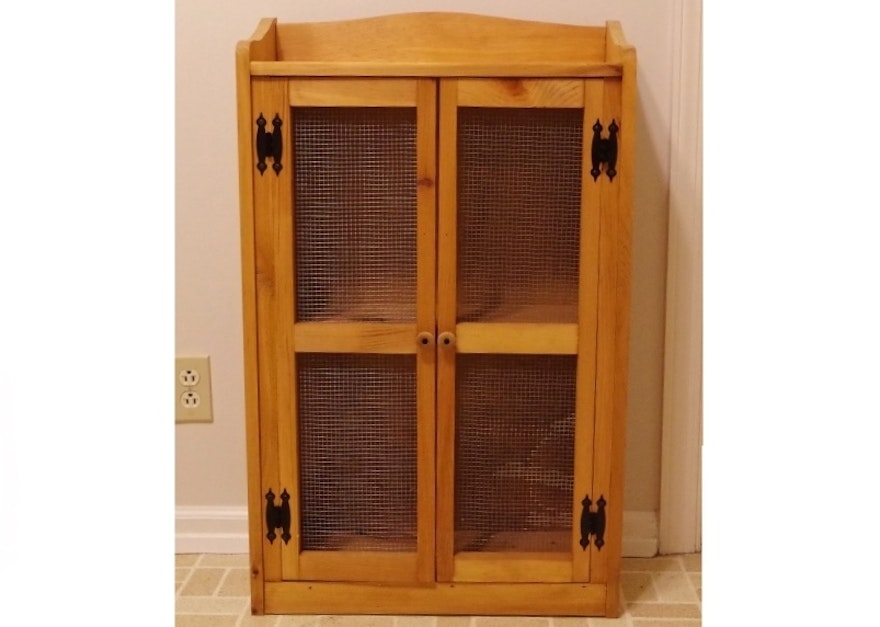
column 192, row 380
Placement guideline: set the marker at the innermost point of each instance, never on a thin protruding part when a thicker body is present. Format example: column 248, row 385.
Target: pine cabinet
column 435, row 222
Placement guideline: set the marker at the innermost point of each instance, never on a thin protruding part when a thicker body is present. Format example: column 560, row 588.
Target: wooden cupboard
column 435, row 228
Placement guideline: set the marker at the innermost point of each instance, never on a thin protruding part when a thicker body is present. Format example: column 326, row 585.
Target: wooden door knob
column 446, row 339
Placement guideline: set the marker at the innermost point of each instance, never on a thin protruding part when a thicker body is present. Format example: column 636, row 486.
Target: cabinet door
column 346, row 259
column 517, row 316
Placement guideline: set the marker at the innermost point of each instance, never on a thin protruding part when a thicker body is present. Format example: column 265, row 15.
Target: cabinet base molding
column 527, row 599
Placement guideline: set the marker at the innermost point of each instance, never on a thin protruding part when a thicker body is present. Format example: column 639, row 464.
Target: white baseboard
column 201, row 529
column 640, row 534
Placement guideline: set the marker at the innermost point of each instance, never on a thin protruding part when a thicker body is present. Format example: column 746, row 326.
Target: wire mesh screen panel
column 355, row 213
column 519, row 203
column 514, row 460
column 357, row 429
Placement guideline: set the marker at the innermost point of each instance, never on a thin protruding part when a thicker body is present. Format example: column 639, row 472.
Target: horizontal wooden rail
column 438, row 69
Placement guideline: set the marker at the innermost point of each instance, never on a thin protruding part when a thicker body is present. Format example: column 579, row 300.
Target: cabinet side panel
column 612, row 362
column 627, row 99
column 249, row 321
column 263, row 44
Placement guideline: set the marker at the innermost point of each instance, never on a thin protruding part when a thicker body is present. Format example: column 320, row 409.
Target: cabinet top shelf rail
column 436, row 45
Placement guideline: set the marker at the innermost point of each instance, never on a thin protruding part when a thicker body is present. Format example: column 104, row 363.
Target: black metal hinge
column 604, row 150
column 278, row 516
column 269, row 144
column 593, row 523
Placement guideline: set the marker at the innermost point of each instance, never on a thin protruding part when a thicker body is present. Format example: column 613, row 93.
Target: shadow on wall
column 645, row 400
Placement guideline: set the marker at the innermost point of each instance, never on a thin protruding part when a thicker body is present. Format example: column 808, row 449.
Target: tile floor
column 212, row 591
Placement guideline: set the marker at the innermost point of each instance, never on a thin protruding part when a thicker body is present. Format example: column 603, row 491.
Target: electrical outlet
column 192, row 389
column 188, row 377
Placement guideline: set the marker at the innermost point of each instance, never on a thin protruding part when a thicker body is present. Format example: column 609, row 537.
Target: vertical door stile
column 446, row 295
column 609, row 319
column 272, row 225
column 426, row 95
column 587, row 321
column 287, row 427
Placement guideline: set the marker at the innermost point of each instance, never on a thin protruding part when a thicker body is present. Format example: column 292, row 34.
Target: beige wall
column 210, row 459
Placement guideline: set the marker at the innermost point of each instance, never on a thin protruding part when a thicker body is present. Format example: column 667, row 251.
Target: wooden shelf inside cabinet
column 435, row 238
